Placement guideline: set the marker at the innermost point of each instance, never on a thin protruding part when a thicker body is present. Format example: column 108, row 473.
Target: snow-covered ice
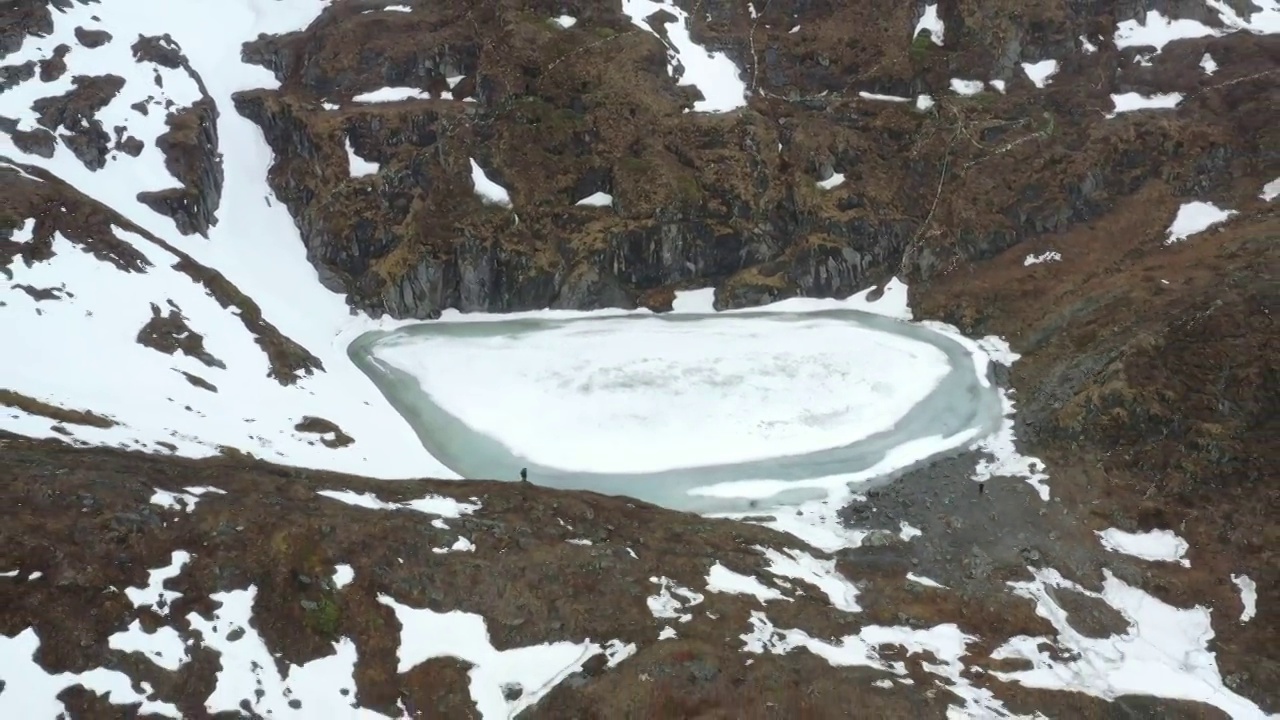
column 1040, row 72
column 1195, row 217
column 713, row 73
column 655, row 395
column 1132, row 102
column 488, row 190
column 1158, row 545
column 1248, row 596
column 1163, row 654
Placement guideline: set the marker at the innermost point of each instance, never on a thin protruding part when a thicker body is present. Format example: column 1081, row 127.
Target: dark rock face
column 53, row 67
column 38, row 142
column 73, row 112
column 726, row 200
column 92, row 38
column 12, row 75
column 190, row 147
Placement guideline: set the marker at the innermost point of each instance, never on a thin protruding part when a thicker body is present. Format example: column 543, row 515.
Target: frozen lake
column 654, row 406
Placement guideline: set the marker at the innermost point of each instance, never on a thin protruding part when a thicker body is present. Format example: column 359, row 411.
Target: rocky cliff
column 558, row 114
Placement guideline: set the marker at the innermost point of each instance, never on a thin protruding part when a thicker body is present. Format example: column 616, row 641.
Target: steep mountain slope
column 200, row 201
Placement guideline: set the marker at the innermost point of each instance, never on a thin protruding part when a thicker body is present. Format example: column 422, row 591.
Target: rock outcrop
column 730, row 200
column 73, row 113
column 190, row 148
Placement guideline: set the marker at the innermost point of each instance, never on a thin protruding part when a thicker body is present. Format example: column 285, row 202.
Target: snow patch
column 1132, row 102
column 1270, row 191
column 358, row 166
column 565, row 21
column 596, row 199
column 489, row 191
column 1208, row 64
column 1040, row 72
column 392, row 94
column 1157, row 545
column 429, row 504
column 885, row 98
column 712, row 73
column 1049, row 256
column 32, row 692
column 1248, row 596
column 250, row 676
column 164, row 647
column 966, row 87
column 721, row 579
column 946, row 643
column 342, row 576
column 666, row 604
column 535, row 670
column 1162, row 654
column 836, row 180
column 1158, row 31
column 1195, row 217
column 154, row 595
column 933, row 23
column 822, row 574
column 922, row 580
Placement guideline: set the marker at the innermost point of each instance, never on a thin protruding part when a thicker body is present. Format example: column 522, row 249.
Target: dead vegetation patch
column 335, row 437
column 169, row 334
column 198, row 381
column 53, row 412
